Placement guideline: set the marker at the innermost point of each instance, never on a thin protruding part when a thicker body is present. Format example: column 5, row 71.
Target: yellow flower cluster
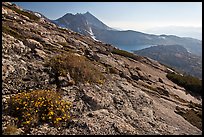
column 39, row 106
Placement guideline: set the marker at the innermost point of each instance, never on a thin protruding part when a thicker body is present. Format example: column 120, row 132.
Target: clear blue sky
column 126, row 15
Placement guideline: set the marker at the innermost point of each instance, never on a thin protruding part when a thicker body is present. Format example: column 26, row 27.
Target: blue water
column 134, row 48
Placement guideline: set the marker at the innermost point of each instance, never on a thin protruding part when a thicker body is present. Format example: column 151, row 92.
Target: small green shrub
column 190, row 83
column 126, row 54
column 79, row 67
column 39, row 106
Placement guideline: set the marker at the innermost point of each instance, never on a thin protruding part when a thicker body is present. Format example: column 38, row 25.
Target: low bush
column 190, row 83
column 37, row 107
column 79, row 68
column 126, row 54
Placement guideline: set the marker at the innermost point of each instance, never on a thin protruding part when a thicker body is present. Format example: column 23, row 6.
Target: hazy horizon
column 148, row 17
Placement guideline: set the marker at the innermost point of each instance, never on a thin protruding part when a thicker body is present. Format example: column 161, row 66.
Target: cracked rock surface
column 123, row 104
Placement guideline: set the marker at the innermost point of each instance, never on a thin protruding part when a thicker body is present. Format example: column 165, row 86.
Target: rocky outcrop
column 135, row 97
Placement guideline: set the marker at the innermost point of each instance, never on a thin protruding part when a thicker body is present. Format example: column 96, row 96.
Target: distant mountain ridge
column 59, row 82
column 176, row 56
column 182, row 31
column 129, row 40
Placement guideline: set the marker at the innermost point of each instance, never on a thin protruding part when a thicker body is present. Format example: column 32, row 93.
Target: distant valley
column 176, row 56
column 58, row 82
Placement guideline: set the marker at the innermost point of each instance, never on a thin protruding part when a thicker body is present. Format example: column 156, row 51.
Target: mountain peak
column 88, row 13
column 96, row 88
column 84, row 23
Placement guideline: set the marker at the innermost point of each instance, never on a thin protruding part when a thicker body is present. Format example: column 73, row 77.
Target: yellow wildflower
column 57, row 119
column 51, row 112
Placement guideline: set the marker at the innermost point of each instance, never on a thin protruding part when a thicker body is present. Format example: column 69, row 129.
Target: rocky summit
column 91, row 88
